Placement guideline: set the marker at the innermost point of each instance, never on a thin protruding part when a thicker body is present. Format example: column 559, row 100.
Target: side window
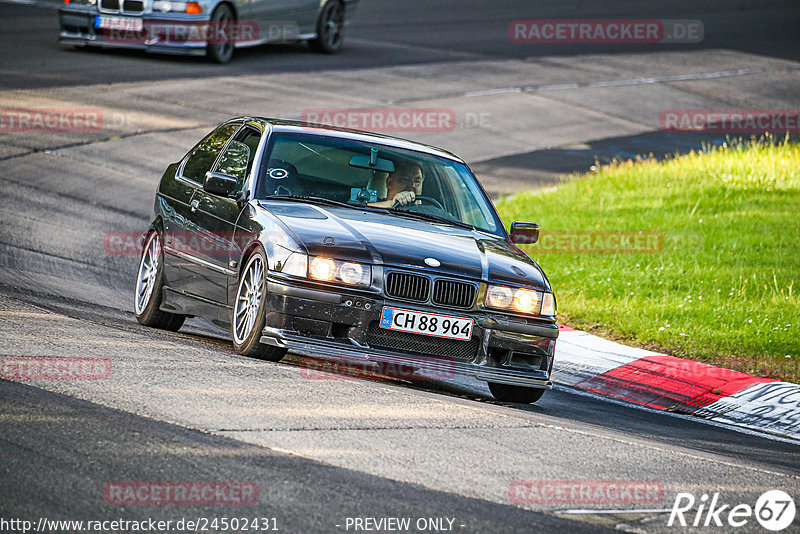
column 203, row 155
column 238, row 158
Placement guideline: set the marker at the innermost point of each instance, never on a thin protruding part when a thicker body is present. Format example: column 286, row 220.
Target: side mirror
column 219, row 184
column 524, row 233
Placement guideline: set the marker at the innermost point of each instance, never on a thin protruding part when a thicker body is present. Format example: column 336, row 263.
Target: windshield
column 369, row 175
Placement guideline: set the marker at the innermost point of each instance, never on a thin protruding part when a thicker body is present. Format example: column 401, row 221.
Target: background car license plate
column 429, row 324
column 118, row 23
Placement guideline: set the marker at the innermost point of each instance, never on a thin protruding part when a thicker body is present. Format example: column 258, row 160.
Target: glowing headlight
column 343, row 272
column 521, row 300
column 526, row 301
column 322, row 268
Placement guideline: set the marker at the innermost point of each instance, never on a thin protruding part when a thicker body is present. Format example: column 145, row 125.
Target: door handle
column 194, row 204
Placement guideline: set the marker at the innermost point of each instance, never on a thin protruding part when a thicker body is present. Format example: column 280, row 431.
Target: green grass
column 724, row 287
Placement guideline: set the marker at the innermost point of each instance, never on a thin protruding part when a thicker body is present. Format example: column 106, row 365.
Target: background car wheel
column 149, row 282
column 221, row 52
column 507, row 393
column 330, row 29
column 248, row 311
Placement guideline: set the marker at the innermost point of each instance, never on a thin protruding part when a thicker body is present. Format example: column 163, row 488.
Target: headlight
column 322, row 268
column 177, row 7
column 328, row 270
column 296, row 265
column 521, row 300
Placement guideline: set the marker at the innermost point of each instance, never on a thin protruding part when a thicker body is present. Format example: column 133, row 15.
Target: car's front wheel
column 330, row 29
column 149, row 282
column 220, row 49
column 518, row 394
column 248, row 311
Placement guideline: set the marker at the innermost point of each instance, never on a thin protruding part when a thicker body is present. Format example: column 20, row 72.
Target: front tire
column 149, row 283
column 517, row 394
column 249, row 311
column 221, row 20
column 330, row 29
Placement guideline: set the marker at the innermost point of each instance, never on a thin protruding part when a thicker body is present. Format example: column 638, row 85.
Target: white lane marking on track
column 621, row 82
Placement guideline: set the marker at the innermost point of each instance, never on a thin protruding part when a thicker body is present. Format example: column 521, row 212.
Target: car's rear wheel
column 149, row 282
column 220, row 50
column 518, row 394
column 330, row 29
column 249, row 311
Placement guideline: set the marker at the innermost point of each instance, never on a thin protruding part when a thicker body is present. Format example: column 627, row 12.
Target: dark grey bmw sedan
column 347, row 245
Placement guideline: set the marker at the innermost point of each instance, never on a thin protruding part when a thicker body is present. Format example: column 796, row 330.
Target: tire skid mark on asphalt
column 86, row 142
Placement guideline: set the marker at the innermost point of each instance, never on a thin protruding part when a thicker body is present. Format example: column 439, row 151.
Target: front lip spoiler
column 318, row 348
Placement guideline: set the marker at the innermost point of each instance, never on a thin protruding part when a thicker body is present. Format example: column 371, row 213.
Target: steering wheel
column 419, row 197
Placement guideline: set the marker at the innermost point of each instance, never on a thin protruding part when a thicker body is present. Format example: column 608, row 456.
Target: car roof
column 290, row 126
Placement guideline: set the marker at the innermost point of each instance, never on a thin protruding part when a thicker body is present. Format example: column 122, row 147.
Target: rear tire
column 149, row 285
column 330, row 29
column 221, row 52
column 517, row 394
column 249, row 311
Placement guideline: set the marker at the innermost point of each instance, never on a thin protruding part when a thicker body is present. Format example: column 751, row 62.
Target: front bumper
column 77, row 27
column 322, row 323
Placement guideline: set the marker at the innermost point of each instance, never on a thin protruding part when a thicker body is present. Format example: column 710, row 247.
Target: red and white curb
column 594, row 364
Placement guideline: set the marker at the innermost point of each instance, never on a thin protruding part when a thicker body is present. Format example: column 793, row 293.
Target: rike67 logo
column 774, row 510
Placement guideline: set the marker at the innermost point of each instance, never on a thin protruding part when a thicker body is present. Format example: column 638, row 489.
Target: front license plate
column 429, row 324
column 118, row 23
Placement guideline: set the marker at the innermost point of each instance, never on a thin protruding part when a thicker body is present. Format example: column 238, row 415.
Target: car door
column 216, row 216
column 182, row 264
column 280, row 20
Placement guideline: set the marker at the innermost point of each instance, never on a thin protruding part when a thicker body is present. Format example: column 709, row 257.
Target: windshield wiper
column 307, row 198
column 430, row 217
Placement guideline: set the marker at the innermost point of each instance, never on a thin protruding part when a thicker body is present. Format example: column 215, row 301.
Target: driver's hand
column 405, row 197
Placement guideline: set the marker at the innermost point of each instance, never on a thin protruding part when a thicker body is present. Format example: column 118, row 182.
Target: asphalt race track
column 184, row 407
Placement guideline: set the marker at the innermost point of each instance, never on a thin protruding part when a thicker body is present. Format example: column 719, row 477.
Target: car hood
column 384, row 239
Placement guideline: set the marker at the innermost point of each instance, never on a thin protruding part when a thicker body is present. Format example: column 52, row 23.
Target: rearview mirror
column 524, row 233
column 372, row 162
column 219, row 184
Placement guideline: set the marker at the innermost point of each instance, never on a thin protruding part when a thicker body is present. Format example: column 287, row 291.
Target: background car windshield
column 312, row 165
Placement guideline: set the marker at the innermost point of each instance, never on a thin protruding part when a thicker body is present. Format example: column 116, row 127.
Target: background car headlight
column 521, row 300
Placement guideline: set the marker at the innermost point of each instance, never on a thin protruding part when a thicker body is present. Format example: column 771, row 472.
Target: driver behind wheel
column 402, row 186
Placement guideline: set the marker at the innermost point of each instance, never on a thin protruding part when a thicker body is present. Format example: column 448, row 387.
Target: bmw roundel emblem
column 432, row 262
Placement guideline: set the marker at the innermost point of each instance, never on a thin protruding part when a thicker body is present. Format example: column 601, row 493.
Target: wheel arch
column 228, row 3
